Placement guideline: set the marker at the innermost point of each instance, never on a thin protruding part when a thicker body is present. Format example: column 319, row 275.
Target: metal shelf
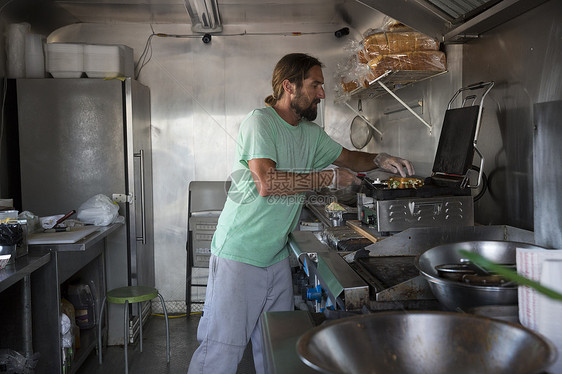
column 391, row 81
column 394, row 80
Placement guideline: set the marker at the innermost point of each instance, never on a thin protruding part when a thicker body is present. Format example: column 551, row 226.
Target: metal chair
column 126, row 295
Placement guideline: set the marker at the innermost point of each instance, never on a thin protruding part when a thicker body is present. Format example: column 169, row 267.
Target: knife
column 60, row 220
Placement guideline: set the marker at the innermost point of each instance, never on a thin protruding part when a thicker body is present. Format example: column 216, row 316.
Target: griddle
column 388, row 271
column 453, row 157
column 429, row 189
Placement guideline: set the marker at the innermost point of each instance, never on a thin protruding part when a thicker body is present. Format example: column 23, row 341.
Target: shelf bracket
column 404, row 104
column 364, row 119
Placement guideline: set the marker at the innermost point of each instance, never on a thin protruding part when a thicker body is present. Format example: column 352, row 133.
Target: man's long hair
column 294, row 67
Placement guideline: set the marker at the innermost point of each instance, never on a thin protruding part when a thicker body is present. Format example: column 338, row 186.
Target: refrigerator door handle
column 142, row 238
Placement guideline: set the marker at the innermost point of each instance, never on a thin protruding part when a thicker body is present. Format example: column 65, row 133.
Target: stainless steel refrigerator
column 83, row 137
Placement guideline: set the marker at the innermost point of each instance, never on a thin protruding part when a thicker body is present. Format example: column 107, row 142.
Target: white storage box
column 107, row 61
column 65, row 60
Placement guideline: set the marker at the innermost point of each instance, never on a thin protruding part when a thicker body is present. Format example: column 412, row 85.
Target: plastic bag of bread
column 413, row 60
column 396, row 42
column 350, row 72
column 394, row 37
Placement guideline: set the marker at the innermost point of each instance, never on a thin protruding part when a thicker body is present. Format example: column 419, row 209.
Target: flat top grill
column 389, row 271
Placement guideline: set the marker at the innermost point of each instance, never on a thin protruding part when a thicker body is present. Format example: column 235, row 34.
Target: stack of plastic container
column 69, row 60
column 65, row 60
column 103, row 61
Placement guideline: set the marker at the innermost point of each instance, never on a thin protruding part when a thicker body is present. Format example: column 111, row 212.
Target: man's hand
column 394, row 164
column 344, row 178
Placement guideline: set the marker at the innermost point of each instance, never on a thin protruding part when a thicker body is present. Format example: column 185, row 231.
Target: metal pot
column 456, row 295
column 424, row 342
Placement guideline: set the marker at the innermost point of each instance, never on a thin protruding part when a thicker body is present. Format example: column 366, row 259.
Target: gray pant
column 237, row 295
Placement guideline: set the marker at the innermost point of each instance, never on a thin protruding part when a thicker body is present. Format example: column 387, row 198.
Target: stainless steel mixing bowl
column 455, row 295
column 424, row 342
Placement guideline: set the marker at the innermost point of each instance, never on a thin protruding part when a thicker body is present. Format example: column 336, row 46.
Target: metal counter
column 21, row 270
column 86, row 256
column 364, row 277
column 281, row 331
column 336, row 277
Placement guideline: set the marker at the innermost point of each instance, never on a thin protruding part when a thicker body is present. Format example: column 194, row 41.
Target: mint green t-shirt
column 254, row 229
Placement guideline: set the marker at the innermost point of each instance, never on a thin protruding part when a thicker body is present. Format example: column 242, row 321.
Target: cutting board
column 64, row 237
column 358, row 227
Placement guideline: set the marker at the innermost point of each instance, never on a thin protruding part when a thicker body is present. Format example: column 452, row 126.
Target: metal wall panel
column 200, row 93
column 524, row 57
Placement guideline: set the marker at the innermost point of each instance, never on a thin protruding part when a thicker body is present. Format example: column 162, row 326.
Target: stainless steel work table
column 18, row 271
column 22, row 268
column 281, row 331
column 87, row 257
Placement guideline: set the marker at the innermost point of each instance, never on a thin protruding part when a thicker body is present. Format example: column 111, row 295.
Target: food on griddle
column 400, row 182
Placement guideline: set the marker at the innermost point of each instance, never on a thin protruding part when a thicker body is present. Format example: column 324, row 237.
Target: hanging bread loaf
column 393, row 47
column 414, row 60
column 396, row 42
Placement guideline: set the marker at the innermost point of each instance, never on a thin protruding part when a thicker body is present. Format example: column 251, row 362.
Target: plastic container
column 8, row 214
column 65, row 60
column 103, row 61
column 80, row 295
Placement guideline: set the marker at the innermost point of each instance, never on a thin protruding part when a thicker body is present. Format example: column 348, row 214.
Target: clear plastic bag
column 98, row 210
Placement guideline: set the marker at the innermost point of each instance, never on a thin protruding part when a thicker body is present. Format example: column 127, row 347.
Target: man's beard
column 300, row 107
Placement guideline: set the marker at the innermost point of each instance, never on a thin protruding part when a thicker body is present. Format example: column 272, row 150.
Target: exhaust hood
column 449, row 21
column 452, row 21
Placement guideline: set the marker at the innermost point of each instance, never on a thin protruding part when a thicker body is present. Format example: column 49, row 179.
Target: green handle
column 510, row 274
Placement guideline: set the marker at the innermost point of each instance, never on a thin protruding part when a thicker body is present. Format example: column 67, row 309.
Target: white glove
column 394, row 164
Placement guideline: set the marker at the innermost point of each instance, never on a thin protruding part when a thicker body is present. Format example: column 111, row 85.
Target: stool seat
column 131, row 294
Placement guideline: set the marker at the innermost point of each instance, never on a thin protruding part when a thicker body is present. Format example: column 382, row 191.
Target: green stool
column 132, row 294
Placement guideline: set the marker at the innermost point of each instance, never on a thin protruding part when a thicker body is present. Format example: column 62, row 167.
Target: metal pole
column 404, row 104
column 27, row 319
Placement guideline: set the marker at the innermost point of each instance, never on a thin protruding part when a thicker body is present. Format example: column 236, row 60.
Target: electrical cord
column 479, row 195
column 143, row 57
column 146, row 55
column 171, row 316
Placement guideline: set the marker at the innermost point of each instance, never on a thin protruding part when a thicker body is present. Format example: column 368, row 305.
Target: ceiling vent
column 452, row 21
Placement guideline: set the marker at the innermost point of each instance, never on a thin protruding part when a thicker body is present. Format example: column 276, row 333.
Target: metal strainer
column 360, row 133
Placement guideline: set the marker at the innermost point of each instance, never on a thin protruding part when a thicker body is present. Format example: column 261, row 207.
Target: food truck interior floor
column 183, row 342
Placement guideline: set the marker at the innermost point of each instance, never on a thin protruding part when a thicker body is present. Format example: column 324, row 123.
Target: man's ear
column 289, row 87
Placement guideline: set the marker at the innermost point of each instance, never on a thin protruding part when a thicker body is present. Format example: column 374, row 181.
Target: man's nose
column 321, row 93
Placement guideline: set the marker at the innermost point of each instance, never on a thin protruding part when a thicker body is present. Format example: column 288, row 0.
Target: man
column 280, row 154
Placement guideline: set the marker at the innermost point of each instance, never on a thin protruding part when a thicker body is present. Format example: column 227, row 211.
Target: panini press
column 445, row 199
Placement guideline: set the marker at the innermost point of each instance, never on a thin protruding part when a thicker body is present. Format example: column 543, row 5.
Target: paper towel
column 529, row 264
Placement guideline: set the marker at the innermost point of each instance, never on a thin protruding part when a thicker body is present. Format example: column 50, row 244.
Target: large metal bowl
column 455, row 295
column 424, row 342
